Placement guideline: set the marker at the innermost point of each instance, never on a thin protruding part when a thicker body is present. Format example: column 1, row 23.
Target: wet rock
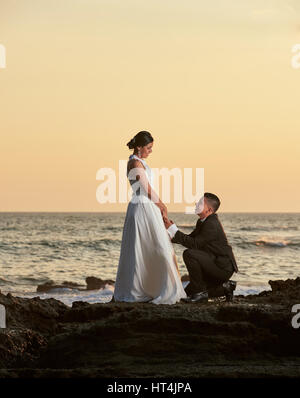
column 94, row 283
column 287, row 285
column 251, row 336
column 48, row 286
column 138, row 338
column 20, row 347
column 36, row 314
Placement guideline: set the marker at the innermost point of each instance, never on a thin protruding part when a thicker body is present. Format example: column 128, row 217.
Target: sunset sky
column 212, row 82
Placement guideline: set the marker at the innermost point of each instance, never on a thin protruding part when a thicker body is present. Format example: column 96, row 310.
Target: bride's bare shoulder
column 133, row 163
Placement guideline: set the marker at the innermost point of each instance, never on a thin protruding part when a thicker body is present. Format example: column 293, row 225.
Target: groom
column 209, row 258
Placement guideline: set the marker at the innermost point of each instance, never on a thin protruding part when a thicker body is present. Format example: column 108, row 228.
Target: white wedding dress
column 147, row 270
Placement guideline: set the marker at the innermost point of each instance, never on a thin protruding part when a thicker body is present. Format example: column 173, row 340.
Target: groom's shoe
column 186, row 299
column 229, row 288
column 199, row 297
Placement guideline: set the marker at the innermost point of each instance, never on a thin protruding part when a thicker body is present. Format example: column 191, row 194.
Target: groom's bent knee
column 189, row 254
column 185, row 254
column 194, row 253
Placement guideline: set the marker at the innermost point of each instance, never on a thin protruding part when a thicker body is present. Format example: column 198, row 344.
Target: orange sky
column 213, row 83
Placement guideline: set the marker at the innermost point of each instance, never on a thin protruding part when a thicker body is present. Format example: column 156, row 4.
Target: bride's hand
column 168, row 222
column 164, row 211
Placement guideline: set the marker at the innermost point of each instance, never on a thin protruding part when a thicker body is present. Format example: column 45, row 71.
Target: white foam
column 68, row 296
column 245, row 290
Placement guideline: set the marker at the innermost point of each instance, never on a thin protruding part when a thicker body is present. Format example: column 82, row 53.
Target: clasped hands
column 166, row 220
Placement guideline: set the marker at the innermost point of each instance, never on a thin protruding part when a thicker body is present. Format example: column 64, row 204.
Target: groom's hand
column 167, row 222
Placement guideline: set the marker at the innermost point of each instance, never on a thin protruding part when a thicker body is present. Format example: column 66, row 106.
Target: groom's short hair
column 213, row 200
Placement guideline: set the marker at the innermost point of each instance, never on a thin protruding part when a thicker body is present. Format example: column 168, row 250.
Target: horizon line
column 179, row 212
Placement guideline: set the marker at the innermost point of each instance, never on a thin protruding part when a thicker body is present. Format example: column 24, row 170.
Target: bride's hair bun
column 140, row 139
column 131, row 143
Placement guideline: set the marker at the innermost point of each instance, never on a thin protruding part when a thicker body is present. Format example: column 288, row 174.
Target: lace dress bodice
column 148, row 173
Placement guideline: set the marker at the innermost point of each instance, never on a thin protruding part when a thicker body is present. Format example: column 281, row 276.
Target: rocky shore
column 92, row 283
column 252, row 336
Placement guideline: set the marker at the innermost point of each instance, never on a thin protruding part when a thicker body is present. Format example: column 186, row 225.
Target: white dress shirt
column 173, row 229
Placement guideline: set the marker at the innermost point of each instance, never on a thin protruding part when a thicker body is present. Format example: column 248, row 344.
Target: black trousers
column 204, row 274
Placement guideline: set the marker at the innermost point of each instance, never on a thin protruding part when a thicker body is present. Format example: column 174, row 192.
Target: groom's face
column 202, row 208
column 199, row 206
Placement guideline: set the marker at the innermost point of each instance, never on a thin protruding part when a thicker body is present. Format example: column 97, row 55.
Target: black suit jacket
column 209, row 236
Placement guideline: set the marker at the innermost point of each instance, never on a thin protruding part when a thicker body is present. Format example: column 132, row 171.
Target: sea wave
column 61, row 244
column 4, row 281
column 113, row 228
column 272, row 242
column 77, row 243
column 68, row 296
column 7, row 282
column 269, row 228
column 266, row 242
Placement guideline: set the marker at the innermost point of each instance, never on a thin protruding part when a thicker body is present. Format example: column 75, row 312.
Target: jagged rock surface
column 251, row 336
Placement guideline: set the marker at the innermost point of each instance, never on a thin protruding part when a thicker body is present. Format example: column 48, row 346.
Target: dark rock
column 94, row 283
column 47, row 286
column 37, row 314
column 20, row 347
column 289, row 284
column 251, row 337
column 136, row 339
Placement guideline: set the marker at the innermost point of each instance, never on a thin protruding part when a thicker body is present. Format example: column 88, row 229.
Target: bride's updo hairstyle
column 140, row 139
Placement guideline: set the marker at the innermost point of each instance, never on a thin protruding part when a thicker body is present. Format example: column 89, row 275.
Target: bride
column 147, row 270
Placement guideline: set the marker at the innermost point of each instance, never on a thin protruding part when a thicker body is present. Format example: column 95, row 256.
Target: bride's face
column 146, row 150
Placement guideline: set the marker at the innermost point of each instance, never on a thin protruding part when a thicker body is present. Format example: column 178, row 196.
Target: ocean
column 38, row 247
